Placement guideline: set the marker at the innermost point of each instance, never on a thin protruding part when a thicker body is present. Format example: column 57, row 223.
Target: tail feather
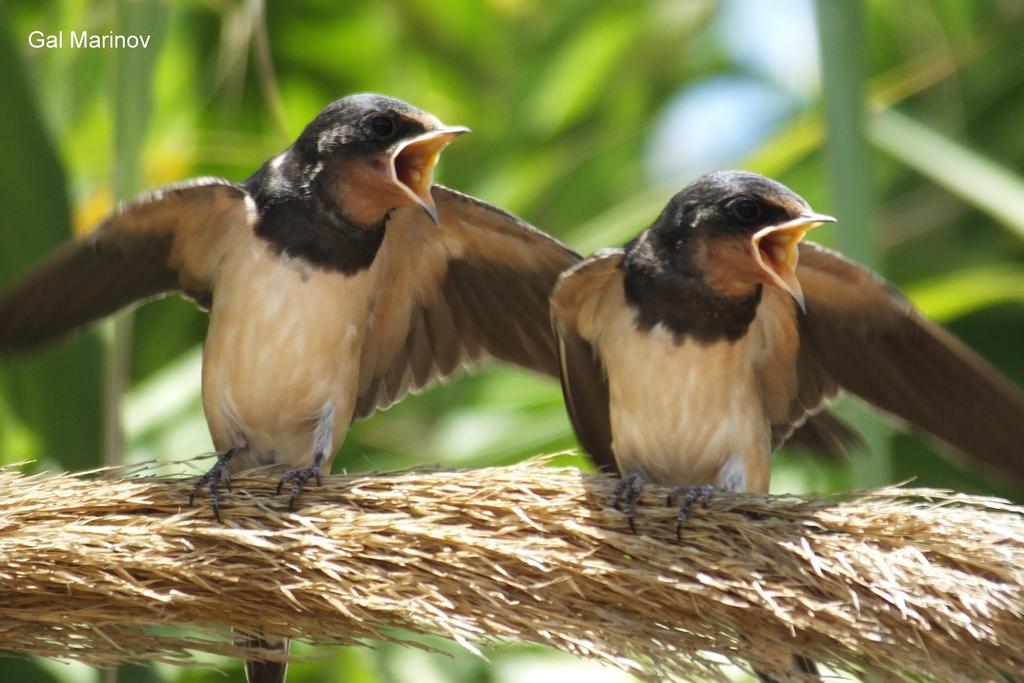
column 259, row 671
column 265, row 672
column 804, row 669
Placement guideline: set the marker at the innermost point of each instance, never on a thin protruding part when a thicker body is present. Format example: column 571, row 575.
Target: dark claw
column 299, row 477
column 218, row 474
column 625, row 496
column 690, row 495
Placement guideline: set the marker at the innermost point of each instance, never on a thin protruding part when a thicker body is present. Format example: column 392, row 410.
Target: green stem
column 843, row 39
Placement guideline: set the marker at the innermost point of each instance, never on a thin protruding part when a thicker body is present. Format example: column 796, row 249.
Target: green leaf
column 953, row 295
column 571, row 84
column 622, row 222
column 987, row 185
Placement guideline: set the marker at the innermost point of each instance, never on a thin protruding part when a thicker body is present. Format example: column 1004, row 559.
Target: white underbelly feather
column 276, row 357
column 681, row 413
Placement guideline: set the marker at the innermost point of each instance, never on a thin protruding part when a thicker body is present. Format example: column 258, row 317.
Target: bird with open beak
column 691, row 354
column 338, row 278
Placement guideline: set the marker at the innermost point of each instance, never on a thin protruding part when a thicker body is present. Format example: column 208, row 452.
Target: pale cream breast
column 691, row 413
column 283, row 345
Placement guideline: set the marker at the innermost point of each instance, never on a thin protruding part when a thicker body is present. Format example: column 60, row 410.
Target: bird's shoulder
column 827, row 274
column 579, row 287
column 474, row 230
column 181, row 205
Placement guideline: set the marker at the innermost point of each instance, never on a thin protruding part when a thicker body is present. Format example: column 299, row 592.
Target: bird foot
column 685, row 497
column 299, row 477
column 216, row 475
column 626, row 495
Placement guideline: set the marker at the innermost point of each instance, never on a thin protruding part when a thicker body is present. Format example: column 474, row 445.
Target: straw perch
column 889, row 583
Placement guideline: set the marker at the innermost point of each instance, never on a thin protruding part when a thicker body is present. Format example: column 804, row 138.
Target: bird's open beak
column 413, row 162
column 776, row 250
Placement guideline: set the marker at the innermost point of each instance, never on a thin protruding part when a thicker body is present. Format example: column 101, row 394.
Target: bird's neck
column 666, row 286
column 299, row 220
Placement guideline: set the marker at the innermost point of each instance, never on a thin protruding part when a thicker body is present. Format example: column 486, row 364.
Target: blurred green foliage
column 566, row 101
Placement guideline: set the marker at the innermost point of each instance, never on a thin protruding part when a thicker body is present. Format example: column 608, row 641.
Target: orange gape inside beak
column 776, row 250
column 413, row 162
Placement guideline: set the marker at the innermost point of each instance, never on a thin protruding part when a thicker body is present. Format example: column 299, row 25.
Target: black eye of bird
column 746, row 209
column 382, row 126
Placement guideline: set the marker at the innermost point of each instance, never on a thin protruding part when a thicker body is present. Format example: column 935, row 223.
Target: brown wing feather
column 585, row 389
column 475, row 286
column 822, row 434
column 584, row 380
column 168, row 239
column 867, row 338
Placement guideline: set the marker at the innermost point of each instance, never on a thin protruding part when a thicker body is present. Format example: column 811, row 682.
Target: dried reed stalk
column 890, row 583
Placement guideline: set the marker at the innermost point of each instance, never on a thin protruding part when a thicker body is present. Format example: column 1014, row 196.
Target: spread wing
column 475, row 286
column 862, row 335
column 169, row 239
column 584, row 380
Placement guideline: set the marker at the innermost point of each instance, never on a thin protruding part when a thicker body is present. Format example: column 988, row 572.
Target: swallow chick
column 337, row 279
column 690, row 355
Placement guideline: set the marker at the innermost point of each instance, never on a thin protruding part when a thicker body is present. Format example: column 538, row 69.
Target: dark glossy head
column 363, row 124
column 382, row 150
column 735, row 202
column 743, row 226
